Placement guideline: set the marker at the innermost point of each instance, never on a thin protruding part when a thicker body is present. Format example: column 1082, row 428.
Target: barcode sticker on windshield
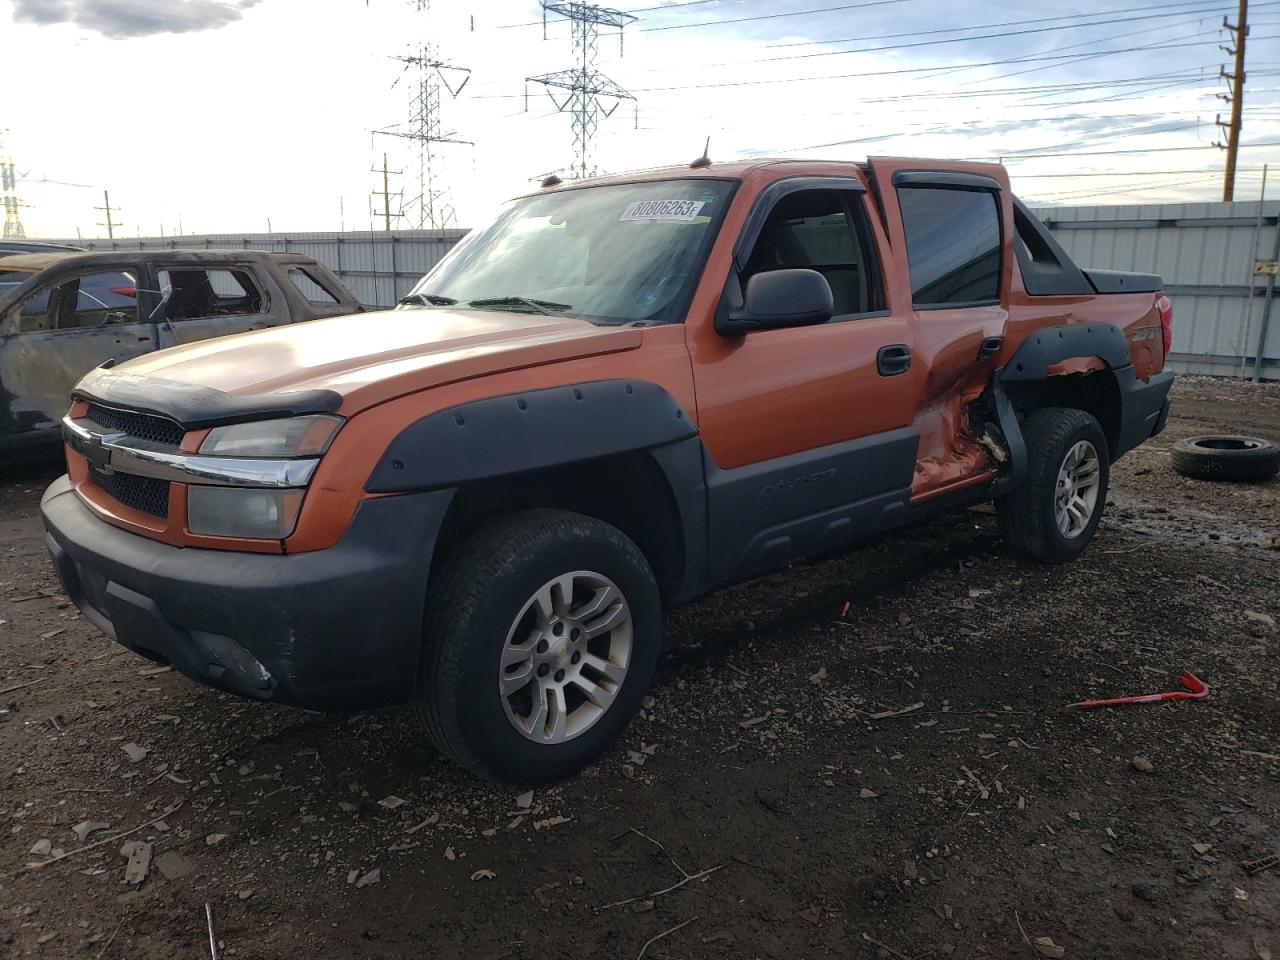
column 684, row 210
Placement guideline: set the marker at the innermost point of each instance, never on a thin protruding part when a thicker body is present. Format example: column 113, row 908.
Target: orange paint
column 753, row 398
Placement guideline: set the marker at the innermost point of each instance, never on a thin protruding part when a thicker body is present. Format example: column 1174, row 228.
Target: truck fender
column 1057, row 352
column 520, row 432
column 1046, row 348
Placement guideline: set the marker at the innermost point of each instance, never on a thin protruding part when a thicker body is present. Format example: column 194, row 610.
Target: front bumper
column 336, row 629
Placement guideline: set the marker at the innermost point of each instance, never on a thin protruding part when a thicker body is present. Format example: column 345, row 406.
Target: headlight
column 242, row 512
column 289, row 437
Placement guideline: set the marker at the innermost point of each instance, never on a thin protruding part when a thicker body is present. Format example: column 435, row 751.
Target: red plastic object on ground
column 1196, row 689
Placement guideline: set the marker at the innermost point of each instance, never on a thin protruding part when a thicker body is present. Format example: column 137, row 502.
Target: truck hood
column 370, row 357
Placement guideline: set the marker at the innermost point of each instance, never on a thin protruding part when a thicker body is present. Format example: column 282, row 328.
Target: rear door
column 199, row 301
column 952, row 227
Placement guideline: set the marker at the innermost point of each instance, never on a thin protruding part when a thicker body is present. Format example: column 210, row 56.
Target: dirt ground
column 759, row 808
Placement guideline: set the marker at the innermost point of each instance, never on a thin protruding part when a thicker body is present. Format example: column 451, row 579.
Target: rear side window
column 953, row 246
column 310, row 287
column 196, row 293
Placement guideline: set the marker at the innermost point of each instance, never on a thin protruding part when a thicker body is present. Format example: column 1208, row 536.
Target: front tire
column 1053, row 514
column 542, row 634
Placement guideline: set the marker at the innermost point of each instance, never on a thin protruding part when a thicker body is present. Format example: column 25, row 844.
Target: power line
column 711, row 23
column 1108, row 153
column 933, row 43
column 774, row 16
column 883, row 73
column 984, row 26
column 1139, row 189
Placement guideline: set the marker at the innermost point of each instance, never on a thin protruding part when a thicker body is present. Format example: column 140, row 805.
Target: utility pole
column 590, row 96
column 110, row 224
column 386, row 194
column 1235, row 84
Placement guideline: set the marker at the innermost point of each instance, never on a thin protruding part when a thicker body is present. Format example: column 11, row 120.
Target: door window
column 953, row 246
column 193, row 293
column 32, row 314
column 97, row 299
column 822, row 230
column 310, row 287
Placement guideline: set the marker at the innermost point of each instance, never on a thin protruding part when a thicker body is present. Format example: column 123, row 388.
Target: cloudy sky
column 227, row 115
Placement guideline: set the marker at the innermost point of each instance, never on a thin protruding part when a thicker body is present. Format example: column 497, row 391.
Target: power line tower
column 1235, row 96
column 432, row 78
column 110, row 224
column 590, row 96
column 9, row 182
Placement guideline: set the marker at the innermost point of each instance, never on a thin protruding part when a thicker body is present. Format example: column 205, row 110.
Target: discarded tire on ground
column 1248, row 459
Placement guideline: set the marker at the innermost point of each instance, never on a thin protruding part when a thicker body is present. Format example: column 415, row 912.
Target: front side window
column 822, row 230
column 612, row 254
column 30, row 315
column 953, row 246
column 97, row 299
column 196, row 293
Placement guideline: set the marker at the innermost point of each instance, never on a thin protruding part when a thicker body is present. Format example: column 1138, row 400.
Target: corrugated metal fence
column 379, row 268
column 1205, row 252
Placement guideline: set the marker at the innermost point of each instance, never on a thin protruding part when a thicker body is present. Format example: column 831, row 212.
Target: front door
column 807, row 430
column 58, row 334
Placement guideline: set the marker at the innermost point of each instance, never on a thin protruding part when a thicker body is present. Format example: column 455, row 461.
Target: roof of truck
column 740, row 169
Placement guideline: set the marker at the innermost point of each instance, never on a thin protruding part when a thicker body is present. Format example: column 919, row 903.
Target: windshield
column 610, row 254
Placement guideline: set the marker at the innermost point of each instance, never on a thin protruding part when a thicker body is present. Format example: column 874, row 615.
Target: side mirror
column 780, row 298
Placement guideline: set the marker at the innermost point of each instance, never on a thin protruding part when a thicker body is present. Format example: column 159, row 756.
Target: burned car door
column 57, row 334
column 198, row 302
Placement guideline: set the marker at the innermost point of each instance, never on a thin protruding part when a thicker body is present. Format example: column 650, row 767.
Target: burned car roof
column 74, row 259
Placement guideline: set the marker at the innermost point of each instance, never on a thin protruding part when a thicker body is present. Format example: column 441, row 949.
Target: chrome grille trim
column 118, row 452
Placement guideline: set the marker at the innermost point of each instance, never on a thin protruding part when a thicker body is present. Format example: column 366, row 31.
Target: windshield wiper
column 541, row 306
column 426, row 300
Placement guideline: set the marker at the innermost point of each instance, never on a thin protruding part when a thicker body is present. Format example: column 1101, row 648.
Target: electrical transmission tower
column 1235, row 96
column 9, row 180
column 432, row 77
column 590, row 96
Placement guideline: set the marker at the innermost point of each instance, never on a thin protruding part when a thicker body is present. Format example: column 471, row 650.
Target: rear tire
column 541, row 638
column 1053, row 514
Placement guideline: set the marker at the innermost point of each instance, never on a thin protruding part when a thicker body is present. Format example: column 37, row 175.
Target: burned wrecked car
column 63, row 313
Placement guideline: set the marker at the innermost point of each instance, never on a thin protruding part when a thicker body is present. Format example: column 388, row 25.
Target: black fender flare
column 1143, row 404
column 1044, row 348
column 557, row 426
column 533, row 430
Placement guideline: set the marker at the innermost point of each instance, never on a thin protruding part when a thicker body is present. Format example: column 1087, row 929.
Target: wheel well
column 1097, row 393
column 628, row 491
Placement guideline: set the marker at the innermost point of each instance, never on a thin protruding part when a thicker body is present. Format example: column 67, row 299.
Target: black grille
column 144, row 426
column 148, row 494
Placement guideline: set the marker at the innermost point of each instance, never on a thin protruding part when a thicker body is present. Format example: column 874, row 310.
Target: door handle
column 893, row 360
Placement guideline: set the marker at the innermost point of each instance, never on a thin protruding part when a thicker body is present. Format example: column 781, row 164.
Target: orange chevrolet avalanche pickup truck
column 620, row 394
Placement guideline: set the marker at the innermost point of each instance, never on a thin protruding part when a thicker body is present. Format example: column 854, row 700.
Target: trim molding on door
column 765, row 514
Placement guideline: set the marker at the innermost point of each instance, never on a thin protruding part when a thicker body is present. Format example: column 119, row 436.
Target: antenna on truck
column 704, row 160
